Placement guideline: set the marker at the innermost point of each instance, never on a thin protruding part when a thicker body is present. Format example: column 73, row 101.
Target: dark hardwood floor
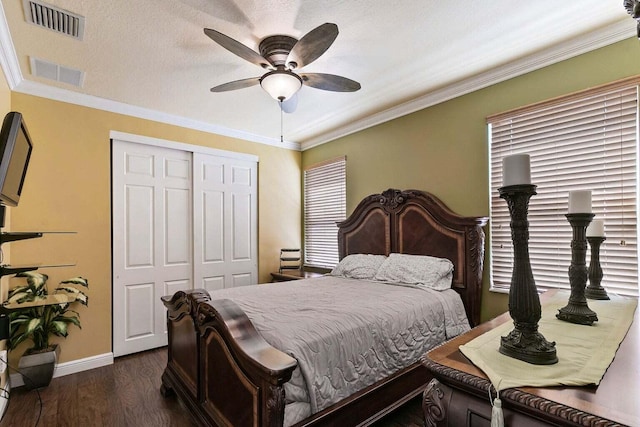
column 126, row 393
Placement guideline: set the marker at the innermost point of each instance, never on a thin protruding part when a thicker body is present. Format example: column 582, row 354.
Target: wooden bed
column 226, row 374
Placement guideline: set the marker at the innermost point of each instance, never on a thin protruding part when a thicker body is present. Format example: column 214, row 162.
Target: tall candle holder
column 524, row 342
column 594, row 290
column 577, row 310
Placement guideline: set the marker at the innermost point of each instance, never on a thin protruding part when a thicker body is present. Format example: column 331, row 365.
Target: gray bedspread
column 346, row 334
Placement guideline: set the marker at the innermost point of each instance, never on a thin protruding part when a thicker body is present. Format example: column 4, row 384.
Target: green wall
column 443, row 149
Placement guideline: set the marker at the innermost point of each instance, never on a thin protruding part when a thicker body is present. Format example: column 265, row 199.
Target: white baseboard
column 71, row 367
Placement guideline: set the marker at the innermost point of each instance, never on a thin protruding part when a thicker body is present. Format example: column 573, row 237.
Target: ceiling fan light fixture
column 281, row 84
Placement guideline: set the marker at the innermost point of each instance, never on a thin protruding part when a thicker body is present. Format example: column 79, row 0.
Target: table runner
column 584, row 352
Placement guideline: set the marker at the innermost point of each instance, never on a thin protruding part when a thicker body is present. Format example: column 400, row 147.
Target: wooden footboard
column 374, row 402
column 227, row 375
column 219, row 366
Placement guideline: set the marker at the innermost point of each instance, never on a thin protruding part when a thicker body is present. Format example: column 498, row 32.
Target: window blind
column 587, row 141
column 325, row 200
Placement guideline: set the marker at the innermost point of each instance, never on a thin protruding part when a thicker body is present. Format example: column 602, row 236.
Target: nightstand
column 287, row 275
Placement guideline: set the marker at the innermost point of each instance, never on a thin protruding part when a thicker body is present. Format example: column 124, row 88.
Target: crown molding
column 181, row 146
column 618, row 31
column 8, row 57
column 57, row 94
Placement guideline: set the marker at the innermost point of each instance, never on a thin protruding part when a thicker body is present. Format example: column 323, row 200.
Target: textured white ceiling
column 152, row 58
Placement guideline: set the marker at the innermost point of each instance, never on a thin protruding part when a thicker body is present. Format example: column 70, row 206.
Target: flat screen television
column 15, row 152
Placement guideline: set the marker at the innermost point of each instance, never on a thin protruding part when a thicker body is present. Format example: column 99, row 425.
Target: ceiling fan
column 281, row 55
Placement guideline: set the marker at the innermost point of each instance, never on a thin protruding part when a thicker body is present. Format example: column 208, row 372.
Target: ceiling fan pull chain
column 281, row 121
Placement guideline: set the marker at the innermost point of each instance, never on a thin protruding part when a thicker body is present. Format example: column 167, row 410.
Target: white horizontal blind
column 325, row 201
column 586, row 142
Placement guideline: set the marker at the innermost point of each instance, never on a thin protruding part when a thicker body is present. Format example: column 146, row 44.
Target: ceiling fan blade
column 237, row 84
column 289, row 105
column 330, row 82
column 312, row 45
column 237, row 48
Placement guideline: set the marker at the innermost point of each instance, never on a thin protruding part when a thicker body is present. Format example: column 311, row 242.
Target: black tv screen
column 15, row 151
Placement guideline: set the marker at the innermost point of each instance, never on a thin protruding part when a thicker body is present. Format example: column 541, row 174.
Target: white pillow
column 358, row 266
column 421, row 270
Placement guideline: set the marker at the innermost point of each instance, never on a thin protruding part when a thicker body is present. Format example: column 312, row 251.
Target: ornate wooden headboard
column 418, row 223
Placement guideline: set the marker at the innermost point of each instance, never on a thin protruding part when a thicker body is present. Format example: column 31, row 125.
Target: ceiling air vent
column 51, row 71
column 53, row 18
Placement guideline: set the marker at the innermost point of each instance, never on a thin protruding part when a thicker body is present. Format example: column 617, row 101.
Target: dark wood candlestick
column 524, row 342
column 577, row 310
column 594, row 290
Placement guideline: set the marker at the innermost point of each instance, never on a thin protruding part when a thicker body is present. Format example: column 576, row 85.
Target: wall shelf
column 6, row 237
column 14, row 236
column 7, row 270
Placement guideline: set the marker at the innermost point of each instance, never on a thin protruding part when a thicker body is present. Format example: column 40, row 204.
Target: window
column 585, row 141
column 325, row 201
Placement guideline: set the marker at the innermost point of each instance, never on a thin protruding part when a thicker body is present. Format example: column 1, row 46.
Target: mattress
column 346, row 334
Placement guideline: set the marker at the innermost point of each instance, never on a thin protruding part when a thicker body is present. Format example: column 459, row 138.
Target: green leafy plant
column 39, row 322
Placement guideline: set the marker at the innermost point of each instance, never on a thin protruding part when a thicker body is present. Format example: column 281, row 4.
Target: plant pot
column 37, row 368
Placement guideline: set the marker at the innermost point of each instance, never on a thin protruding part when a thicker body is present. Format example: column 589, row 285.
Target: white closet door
column 180, row 218
column 152, row 239
column 225, row 222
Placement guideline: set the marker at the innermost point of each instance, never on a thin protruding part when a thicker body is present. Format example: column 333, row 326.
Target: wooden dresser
column 458, row 395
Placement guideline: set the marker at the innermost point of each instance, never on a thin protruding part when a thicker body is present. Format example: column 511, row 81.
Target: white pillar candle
column 580, row 201
column 596, row 228
column 516, row 170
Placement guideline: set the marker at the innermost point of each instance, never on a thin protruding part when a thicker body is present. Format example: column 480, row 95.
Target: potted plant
column 42, row 316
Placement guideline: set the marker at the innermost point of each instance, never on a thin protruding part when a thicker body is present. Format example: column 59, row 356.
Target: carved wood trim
column 435, row 404
column 184, row 303
column 514, row 398
column 183, row 365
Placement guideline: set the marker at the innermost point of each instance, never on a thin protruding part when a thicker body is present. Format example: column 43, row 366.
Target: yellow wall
column 5, row 107
column 444, row 149
column 68, row 188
